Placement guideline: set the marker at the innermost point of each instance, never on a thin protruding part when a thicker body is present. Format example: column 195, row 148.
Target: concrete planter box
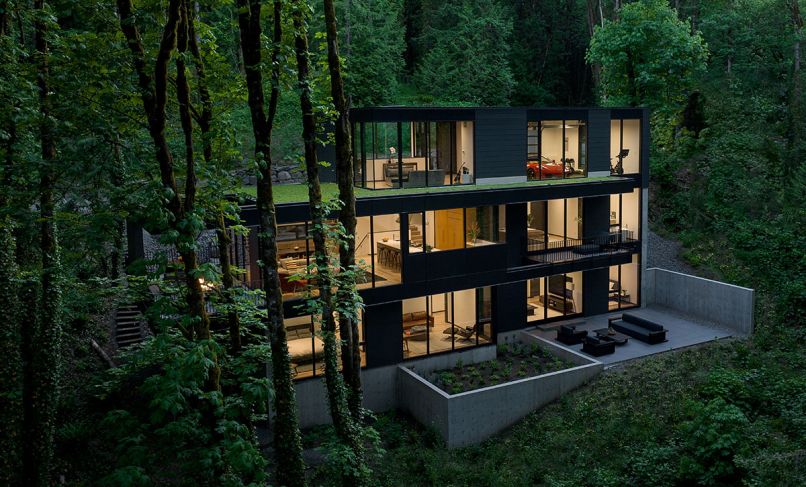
column 470, row 417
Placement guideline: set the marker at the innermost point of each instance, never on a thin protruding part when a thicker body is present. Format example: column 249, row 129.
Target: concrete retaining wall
column 470, row 417
column 724, row 304
column 380, row 385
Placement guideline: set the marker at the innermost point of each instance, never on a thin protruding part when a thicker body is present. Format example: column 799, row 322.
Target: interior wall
column 632, row 212
column 363, row 242
column 556, row 215
column 465, row 144
column 464, row 307
column 615, row 140
column 632, row 141
column 413, row 304
column 573, row 218
column 629, row 278
column 577, row 292
column 552, row 140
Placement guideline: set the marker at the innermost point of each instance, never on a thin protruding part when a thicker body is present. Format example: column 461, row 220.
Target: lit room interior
column 446, row 321
column 414, row 154
column 306, row 347
column 553, row 221
column 553, row 296
column 557, row 149
column 625, row 139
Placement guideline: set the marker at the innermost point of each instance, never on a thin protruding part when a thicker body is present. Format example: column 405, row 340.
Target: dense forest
column 156, row 113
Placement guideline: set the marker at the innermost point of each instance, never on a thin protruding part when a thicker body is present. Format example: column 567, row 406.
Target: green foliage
column 648, row 57
column 468, row 53
column 712, row 439
column 160, row 415
column 374, row 55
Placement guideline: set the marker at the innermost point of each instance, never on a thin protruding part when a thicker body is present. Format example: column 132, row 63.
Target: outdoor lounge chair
column 598, row 346
column 569, row 335
column 640, row 328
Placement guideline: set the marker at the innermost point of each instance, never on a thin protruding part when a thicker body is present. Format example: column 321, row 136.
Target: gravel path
column 665, row 254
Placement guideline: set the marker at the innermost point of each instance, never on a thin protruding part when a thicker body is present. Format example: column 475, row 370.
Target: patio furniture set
column 620, row 329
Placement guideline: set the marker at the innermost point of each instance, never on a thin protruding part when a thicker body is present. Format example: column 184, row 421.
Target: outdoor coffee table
column 618, row 338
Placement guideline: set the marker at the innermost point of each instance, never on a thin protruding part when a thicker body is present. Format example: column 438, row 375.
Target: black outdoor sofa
column 598, row 346
column 569, row 335
column 637, row 327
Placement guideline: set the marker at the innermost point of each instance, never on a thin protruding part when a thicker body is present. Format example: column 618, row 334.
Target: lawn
column 725, row 413
column 298, row 193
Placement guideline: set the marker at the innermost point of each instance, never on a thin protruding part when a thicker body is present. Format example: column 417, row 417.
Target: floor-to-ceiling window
column 624, row 285
column 446, row 321
column 557, row 149
column 625, row 214
column 413, row 154
column 625, row 146
column 553, row 296
column 378, row 250
column 454, row 228
column 306, row 348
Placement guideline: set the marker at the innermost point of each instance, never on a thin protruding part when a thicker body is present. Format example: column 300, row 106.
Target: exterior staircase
column 129, row 326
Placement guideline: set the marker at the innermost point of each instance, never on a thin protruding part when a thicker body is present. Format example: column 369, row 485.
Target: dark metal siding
column 595, row 216
column 595, row 291
column 509, row 307
column 383, row 329
column 500, row 143
column 599, row 140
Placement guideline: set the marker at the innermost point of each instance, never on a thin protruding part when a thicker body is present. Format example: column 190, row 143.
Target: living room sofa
column 417, row 318
column 640, row 328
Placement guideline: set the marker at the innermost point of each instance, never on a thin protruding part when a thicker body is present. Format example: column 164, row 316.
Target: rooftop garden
column 298, row 193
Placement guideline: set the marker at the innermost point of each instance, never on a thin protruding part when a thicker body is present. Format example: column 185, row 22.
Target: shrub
column 711, row 440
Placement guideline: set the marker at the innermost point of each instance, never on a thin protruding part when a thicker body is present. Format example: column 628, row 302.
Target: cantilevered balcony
column 573, row 249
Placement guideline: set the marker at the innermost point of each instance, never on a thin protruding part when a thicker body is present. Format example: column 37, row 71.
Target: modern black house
column 473, row 222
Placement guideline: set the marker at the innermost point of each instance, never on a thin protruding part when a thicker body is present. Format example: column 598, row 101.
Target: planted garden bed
column 513, row 362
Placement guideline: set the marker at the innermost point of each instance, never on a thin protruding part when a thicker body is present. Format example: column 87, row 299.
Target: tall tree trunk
column 154, row 96
column 337, row 398
column 118, row 179
column 11, row 410
column 287, row 438
column 591, row 17
column 205, row 120
column 346, row 295
column 42, row 351
column 795, row 102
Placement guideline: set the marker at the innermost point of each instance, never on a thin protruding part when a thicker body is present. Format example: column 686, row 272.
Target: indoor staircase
column 129, row 326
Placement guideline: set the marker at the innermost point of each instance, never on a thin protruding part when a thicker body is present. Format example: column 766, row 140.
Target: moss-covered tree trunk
column 41, row 351
column 153, row 91
column 11, row 366
column 290, row 468
column 346, row 296
column 343, row 423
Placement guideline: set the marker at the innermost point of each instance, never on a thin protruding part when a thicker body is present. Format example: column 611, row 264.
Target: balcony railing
column 572, row 249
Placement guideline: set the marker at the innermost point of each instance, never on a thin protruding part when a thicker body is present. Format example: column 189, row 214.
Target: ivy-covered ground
column 726, row 413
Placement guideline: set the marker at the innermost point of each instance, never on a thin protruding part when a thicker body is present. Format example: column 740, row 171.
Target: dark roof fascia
column 625, row 112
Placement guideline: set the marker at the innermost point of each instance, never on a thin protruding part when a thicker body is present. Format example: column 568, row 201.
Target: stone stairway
column 129, row 326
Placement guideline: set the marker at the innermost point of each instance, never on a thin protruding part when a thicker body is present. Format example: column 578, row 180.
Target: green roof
column 298, row 193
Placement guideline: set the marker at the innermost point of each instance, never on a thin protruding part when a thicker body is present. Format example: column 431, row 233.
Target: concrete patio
column 682, row 332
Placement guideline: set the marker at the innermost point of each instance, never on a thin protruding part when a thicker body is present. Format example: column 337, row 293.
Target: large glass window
column 625, row 214
column 557, row 149
column 625, row 145
column 378, row 250
column 446, row 321
column 553, row 296
column 623, row 286
column 306, row 347
column 455, row 228
column 413, row 154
